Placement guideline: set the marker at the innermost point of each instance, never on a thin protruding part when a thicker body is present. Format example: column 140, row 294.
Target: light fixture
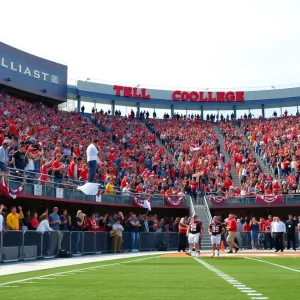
column 8, row 79
column 44, row 91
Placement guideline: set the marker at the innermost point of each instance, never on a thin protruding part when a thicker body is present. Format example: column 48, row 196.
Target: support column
column 234, row 111
column 263, row 110
column 113, row 107
column 138, row 110
column 78, row 104
column 201, row 112
column 280, row 111
column 172, row 111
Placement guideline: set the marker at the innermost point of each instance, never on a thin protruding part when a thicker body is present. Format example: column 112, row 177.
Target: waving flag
column 89, row 188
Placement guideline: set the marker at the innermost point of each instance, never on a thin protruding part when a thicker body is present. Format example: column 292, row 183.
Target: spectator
column 254, row 226
column 109, row 188
column 92, row 224
column 1, row 218
column 44, row 224
column 182, row 227
column 13, row 219
column 134, row 225
column 4, row 157
column 57, row 170
column 34, row 222
column 65, row 221
column 118, row 237
column 18, row 159
column 78, row 227
column 55, row 222
column 92, row 159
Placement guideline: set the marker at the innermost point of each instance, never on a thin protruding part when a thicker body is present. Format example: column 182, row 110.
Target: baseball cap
column 215, row 218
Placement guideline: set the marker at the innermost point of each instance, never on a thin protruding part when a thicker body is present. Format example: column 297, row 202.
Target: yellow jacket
column 13, row 220
column 109, row 189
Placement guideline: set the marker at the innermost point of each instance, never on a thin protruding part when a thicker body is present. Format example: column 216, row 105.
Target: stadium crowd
column 277, row 142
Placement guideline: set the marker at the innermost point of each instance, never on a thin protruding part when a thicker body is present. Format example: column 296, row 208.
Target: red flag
column 174, row 200
column 269, row 199
column 7, row 191
column 217, row 199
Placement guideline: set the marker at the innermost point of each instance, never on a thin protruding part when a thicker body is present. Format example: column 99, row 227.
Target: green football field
column 160, row 277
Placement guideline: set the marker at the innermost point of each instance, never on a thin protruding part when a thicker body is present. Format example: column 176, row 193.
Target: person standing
column 269, row 242
column 1, row 218
column 290, row 227
column 55, row 222
column 3, row 157
column 182, row 227
column 118, row 237
column 13, row 219
column 231, row 229
column 195, row 232
column 278, row 229
column 78, row 228
column 239, row 233
column 92, row 159
column 216, row 230
column 254, row 233
column 134, row 225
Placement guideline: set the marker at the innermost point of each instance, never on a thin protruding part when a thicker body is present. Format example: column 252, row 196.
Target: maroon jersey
column 216, row 229
column 195, row 226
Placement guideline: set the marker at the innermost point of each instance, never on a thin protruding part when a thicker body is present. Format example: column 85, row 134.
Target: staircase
column 202, row 216
column 220, row 138
column 262, row 165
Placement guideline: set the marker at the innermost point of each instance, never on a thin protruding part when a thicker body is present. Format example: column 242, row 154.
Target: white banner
column 38, row 190
column 59, row 193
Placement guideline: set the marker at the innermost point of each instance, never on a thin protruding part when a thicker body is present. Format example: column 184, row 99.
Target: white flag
column 147, row 205
column 98, row 197
column 89, row 188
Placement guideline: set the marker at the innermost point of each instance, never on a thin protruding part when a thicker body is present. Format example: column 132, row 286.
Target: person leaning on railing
column 13, row 219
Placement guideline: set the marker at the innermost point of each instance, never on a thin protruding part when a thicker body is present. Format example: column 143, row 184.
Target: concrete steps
column 220, row 137
column 202, row 216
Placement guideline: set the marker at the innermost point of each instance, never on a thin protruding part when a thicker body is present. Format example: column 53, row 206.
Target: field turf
column 159, row 277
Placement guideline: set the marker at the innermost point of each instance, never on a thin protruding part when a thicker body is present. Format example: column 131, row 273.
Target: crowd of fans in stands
column 49, row 146
column 277, row 141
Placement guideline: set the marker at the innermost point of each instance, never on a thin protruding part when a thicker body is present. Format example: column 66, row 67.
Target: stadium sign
column 28, row 71
column 208, row 96
column 126, row 91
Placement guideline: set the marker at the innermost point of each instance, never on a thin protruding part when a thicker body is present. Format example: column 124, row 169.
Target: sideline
column 235, row 283
column 44, row 264
column 276, row 265
column 66, row 273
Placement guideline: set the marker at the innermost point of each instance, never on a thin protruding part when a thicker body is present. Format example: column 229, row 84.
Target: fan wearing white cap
column 215, row 229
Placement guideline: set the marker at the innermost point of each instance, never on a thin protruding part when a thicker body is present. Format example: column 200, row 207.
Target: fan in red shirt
column 92, row 224
column 227, row 183
column 231, row 229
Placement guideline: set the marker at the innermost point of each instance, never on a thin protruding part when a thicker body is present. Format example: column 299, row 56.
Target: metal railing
column 24, row 245
column 32, row 185
column 207, row 210
column 289, row 199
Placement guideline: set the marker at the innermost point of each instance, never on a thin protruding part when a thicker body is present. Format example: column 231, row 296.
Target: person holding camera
column 117, row 239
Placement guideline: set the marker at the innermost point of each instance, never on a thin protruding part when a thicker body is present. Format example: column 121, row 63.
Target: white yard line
column 48, row 277
column 235, row 283
column 276, row 265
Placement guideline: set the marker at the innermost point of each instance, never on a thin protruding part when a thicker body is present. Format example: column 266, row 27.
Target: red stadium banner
column 217, row 199
column 8, row 192
column 143, row 201
column 269, row 199
column 174, row 200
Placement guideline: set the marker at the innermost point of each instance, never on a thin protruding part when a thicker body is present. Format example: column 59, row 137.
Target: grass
column 159, row 278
